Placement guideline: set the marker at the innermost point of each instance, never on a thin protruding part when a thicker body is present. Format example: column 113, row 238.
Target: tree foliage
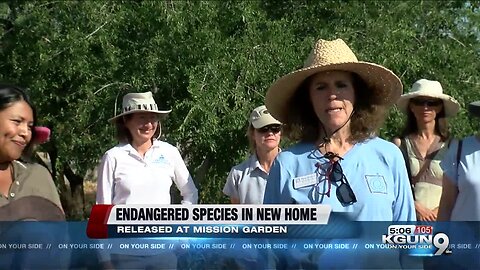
column 211, row 62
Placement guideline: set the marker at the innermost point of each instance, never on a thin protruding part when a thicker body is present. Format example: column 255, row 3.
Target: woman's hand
column 425, row 214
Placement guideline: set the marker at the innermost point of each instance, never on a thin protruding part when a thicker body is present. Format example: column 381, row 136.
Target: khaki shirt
column 31, row 179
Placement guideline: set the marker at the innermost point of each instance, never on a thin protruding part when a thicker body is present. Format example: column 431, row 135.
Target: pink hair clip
column 42, row 135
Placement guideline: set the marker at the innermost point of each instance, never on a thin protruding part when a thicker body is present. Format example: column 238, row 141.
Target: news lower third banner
column 216, row 221
column 271, row 236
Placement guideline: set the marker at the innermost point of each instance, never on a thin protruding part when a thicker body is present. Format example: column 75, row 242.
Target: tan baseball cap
column 260, row 117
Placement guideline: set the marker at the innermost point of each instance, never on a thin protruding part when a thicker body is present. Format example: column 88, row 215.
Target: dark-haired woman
column 425, row 141
column 19, row 179
column 27, row 190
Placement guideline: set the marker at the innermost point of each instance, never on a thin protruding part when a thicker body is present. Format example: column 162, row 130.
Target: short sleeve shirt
column 31, row 179
column 246, row 182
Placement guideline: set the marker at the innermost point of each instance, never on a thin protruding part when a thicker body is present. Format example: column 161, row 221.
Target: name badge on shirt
column 305, row 181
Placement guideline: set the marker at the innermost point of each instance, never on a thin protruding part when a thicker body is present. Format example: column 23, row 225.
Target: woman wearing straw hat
column 333, row 107
column 461, row 179
column 246, row 181
column 424, row 142
column 141, row 169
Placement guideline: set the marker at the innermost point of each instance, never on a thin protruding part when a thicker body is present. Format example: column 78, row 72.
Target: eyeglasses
column 335, row 175
column 426, row 102
column 272, row 128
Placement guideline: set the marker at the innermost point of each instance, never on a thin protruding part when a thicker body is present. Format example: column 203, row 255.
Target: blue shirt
column 375, row 170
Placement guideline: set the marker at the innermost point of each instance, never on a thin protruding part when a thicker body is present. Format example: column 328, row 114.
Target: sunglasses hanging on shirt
column 334, row 175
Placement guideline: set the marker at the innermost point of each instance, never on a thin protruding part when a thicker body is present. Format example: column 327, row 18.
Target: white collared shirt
column 124, row 177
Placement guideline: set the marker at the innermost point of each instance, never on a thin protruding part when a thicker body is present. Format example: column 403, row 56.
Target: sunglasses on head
column 426, row 102
column 335, row 175
column 272, row 128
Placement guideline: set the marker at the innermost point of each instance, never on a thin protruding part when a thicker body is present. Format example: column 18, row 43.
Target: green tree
column 211, row 62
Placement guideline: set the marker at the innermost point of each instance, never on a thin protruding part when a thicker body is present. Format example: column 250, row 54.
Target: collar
column 254, row 163
column 129, row 148
column 19, row 169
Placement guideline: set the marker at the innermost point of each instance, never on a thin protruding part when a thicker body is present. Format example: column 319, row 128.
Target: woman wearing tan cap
column 246, row 181
column 334, row 107
column 424, row 142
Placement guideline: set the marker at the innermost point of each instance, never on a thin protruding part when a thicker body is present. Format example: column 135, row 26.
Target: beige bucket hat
column 428, row 88
column 332, row 55
column 260, row 117
column 138, row 102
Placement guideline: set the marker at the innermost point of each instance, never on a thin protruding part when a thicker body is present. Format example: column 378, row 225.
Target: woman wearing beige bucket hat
column 141, row 170
column 246, row 181
column 334, row 106
column 424, row 142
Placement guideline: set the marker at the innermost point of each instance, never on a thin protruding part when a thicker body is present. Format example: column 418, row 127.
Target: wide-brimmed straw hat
column 327, row 56
column 260, row 117
column 138, row 102
column 432, row 89
column 474, row 108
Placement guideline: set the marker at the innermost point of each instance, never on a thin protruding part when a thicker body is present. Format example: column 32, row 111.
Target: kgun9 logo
column 417, row 237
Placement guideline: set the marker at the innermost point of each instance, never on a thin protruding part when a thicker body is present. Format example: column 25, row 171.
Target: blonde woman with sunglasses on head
column 424, row 142
column 246, row 181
